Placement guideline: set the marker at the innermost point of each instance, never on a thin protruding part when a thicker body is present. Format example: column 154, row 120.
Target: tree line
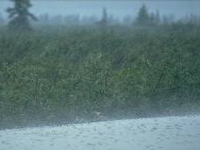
column 20, row 18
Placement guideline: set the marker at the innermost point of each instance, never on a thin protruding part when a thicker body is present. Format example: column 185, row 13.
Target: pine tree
column 154, row 18
column 20, row 16
column 143, row 16
column 1, row 19
column 104, row 20
column 157, row 17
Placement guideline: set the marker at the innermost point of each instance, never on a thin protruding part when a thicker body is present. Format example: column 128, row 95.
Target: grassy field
column 59, row 75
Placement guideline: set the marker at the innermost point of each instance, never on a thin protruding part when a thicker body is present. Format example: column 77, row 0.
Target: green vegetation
column 62, row 75
column 20, row 15
column 144, row 18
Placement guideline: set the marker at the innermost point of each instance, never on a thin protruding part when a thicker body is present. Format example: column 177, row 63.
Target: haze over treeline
column 90, row 11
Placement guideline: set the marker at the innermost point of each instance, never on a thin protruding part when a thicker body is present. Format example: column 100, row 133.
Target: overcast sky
column 117, row 8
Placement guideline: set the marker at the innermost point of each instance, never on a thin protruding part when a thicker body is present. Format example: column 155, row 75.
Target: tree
column 20, row 16
column 104, row 19
column 44, row 18
column 143, row 16
column 1, row 19
column 157, row 17
column 154, row 18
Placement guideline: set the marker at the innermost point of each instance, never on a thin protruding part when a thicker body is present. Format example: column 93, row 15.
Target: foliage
column 104, row 19
column 145, row 18
column 20, row 15
column 62, row 75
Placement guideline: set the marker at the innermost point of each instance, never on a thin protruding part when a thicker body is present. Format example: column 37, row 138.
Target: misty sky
column 118, row 8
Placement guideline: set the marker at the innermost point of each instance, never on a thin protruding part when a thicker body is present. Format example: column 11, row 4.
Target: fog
column 118, row 9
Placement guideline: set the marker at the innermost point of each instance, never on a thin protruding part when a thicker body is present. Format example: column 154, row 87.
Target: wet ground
column 167, row 133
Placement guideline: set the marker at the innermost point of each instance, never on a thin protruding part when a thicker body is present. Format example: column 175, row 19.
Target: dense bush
column 62, row 75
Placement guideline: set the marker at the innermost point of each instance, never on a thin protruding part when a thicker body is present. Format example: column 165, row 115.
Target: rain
column 99, row 75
